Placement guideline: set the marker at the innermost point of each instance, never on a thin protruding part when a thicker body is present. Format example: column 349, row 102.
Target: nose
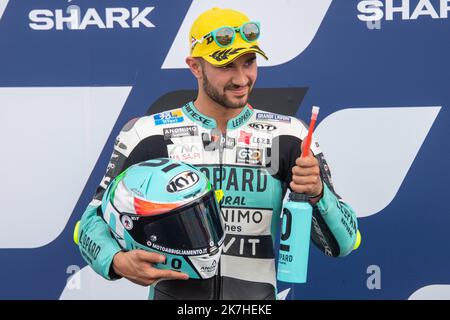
column 240, row 78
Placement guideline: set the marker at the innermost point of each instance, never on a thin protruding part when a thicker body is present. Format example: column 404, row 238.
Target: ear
column 195, row 66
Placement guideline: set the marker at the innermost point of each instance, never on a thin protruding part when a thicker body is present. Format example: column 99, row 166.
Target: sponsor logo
column 233, row 201
column 211, row 268
column 248, row 246
column 184, row 152
column 249, row 155
column 178, row 132
column 244, row 137
column 241, row 119
column 168, row 117
column 182, row 181
column 262, row 126
column 248, row 138
column 181, row 252
column 214, row 142
column 247, row 221
column 244, row 220
column 127, row 222
column 237, row 179
column 89, row 246
column 73, row 18
column 242, row 216
column 374, row 10
column 228, row 142
column 262, row 140
column 272, row 117
column 198, row 117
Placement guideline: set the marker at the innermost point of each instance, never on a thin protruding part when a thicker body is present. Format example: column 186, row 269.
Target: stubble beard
column 221, row 99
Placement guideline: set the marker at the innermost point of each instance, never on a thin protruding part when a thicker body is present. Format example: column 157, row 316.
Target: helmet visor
column 194, row 229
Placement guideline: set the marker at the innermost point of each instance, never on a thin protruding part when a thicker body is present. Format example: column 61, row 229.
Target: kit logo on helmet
column 127, row 222
column 211, row 268
column 182, row 181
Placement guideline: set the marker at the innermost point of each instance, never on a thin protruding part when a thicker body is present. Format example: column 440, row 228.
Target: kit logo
column 241, row 119
column 262, row 126
column 168, row 117
column 244, row 137
column 184, row 152
column 73, row 18
column 248, row 138
column 211, row 268
column 182, row 181
column 127, row 222
column 198, row 117
column 272, row 117
column 249, row 155
column 216, row 141
column 178, row 132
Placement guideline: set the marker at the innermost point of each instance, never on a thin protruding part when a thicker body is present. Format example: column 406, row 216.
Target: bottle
column 296, row 229
column 295, row 239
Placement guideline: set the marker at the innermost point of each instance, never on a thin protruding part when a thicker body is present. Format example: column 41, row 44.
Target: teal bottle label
column 294, row 242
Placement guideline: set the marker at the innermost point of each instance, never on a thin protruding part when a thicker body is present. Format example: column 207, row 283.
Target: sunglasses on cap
column 225, row 36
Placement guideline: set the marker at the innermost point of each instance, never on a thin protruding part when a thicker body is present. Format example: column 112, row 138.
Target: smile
column 239, row 91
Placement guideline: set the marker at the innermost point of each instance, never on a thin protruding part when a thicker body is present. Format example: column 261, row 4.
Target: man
column 252, row 155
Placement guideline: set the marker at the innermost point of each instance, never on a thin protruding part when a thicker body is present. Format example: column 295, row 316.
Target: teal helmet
column 168, row 207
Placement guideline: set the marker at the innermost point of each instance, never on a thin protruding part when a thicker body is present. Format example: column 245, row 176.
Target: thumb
column 303, row 152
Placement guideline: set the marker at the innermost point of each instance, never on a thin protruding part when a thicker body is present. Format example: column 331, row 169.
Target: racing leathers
column 251, row 162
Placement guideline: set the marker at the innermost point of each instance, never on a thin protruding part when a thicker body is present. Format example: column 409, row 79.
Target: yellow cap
column 209, row 50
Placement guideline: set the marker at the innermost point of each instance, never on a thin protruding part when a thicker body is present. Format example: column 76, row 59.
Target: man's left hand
column 306, row 177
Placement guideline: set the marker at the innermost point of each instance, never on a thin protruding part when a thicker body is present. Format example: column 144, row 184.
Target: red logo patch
column 244, row 137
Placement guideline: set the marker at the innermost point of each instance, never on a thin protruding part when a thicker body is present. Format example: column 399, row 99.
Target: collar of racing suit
column 195, row 115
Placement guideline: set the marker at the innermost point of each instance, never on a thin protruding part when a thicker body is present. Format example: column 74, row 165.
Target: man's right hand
column 137, row 266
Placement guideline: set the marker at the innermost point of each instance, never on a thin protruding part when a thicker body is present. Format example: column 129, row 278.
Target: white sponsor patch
column 206, row 265
column 247, row 221
column 178, row 132
column 189, row 152
column 272, row 117
column 252, row 156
